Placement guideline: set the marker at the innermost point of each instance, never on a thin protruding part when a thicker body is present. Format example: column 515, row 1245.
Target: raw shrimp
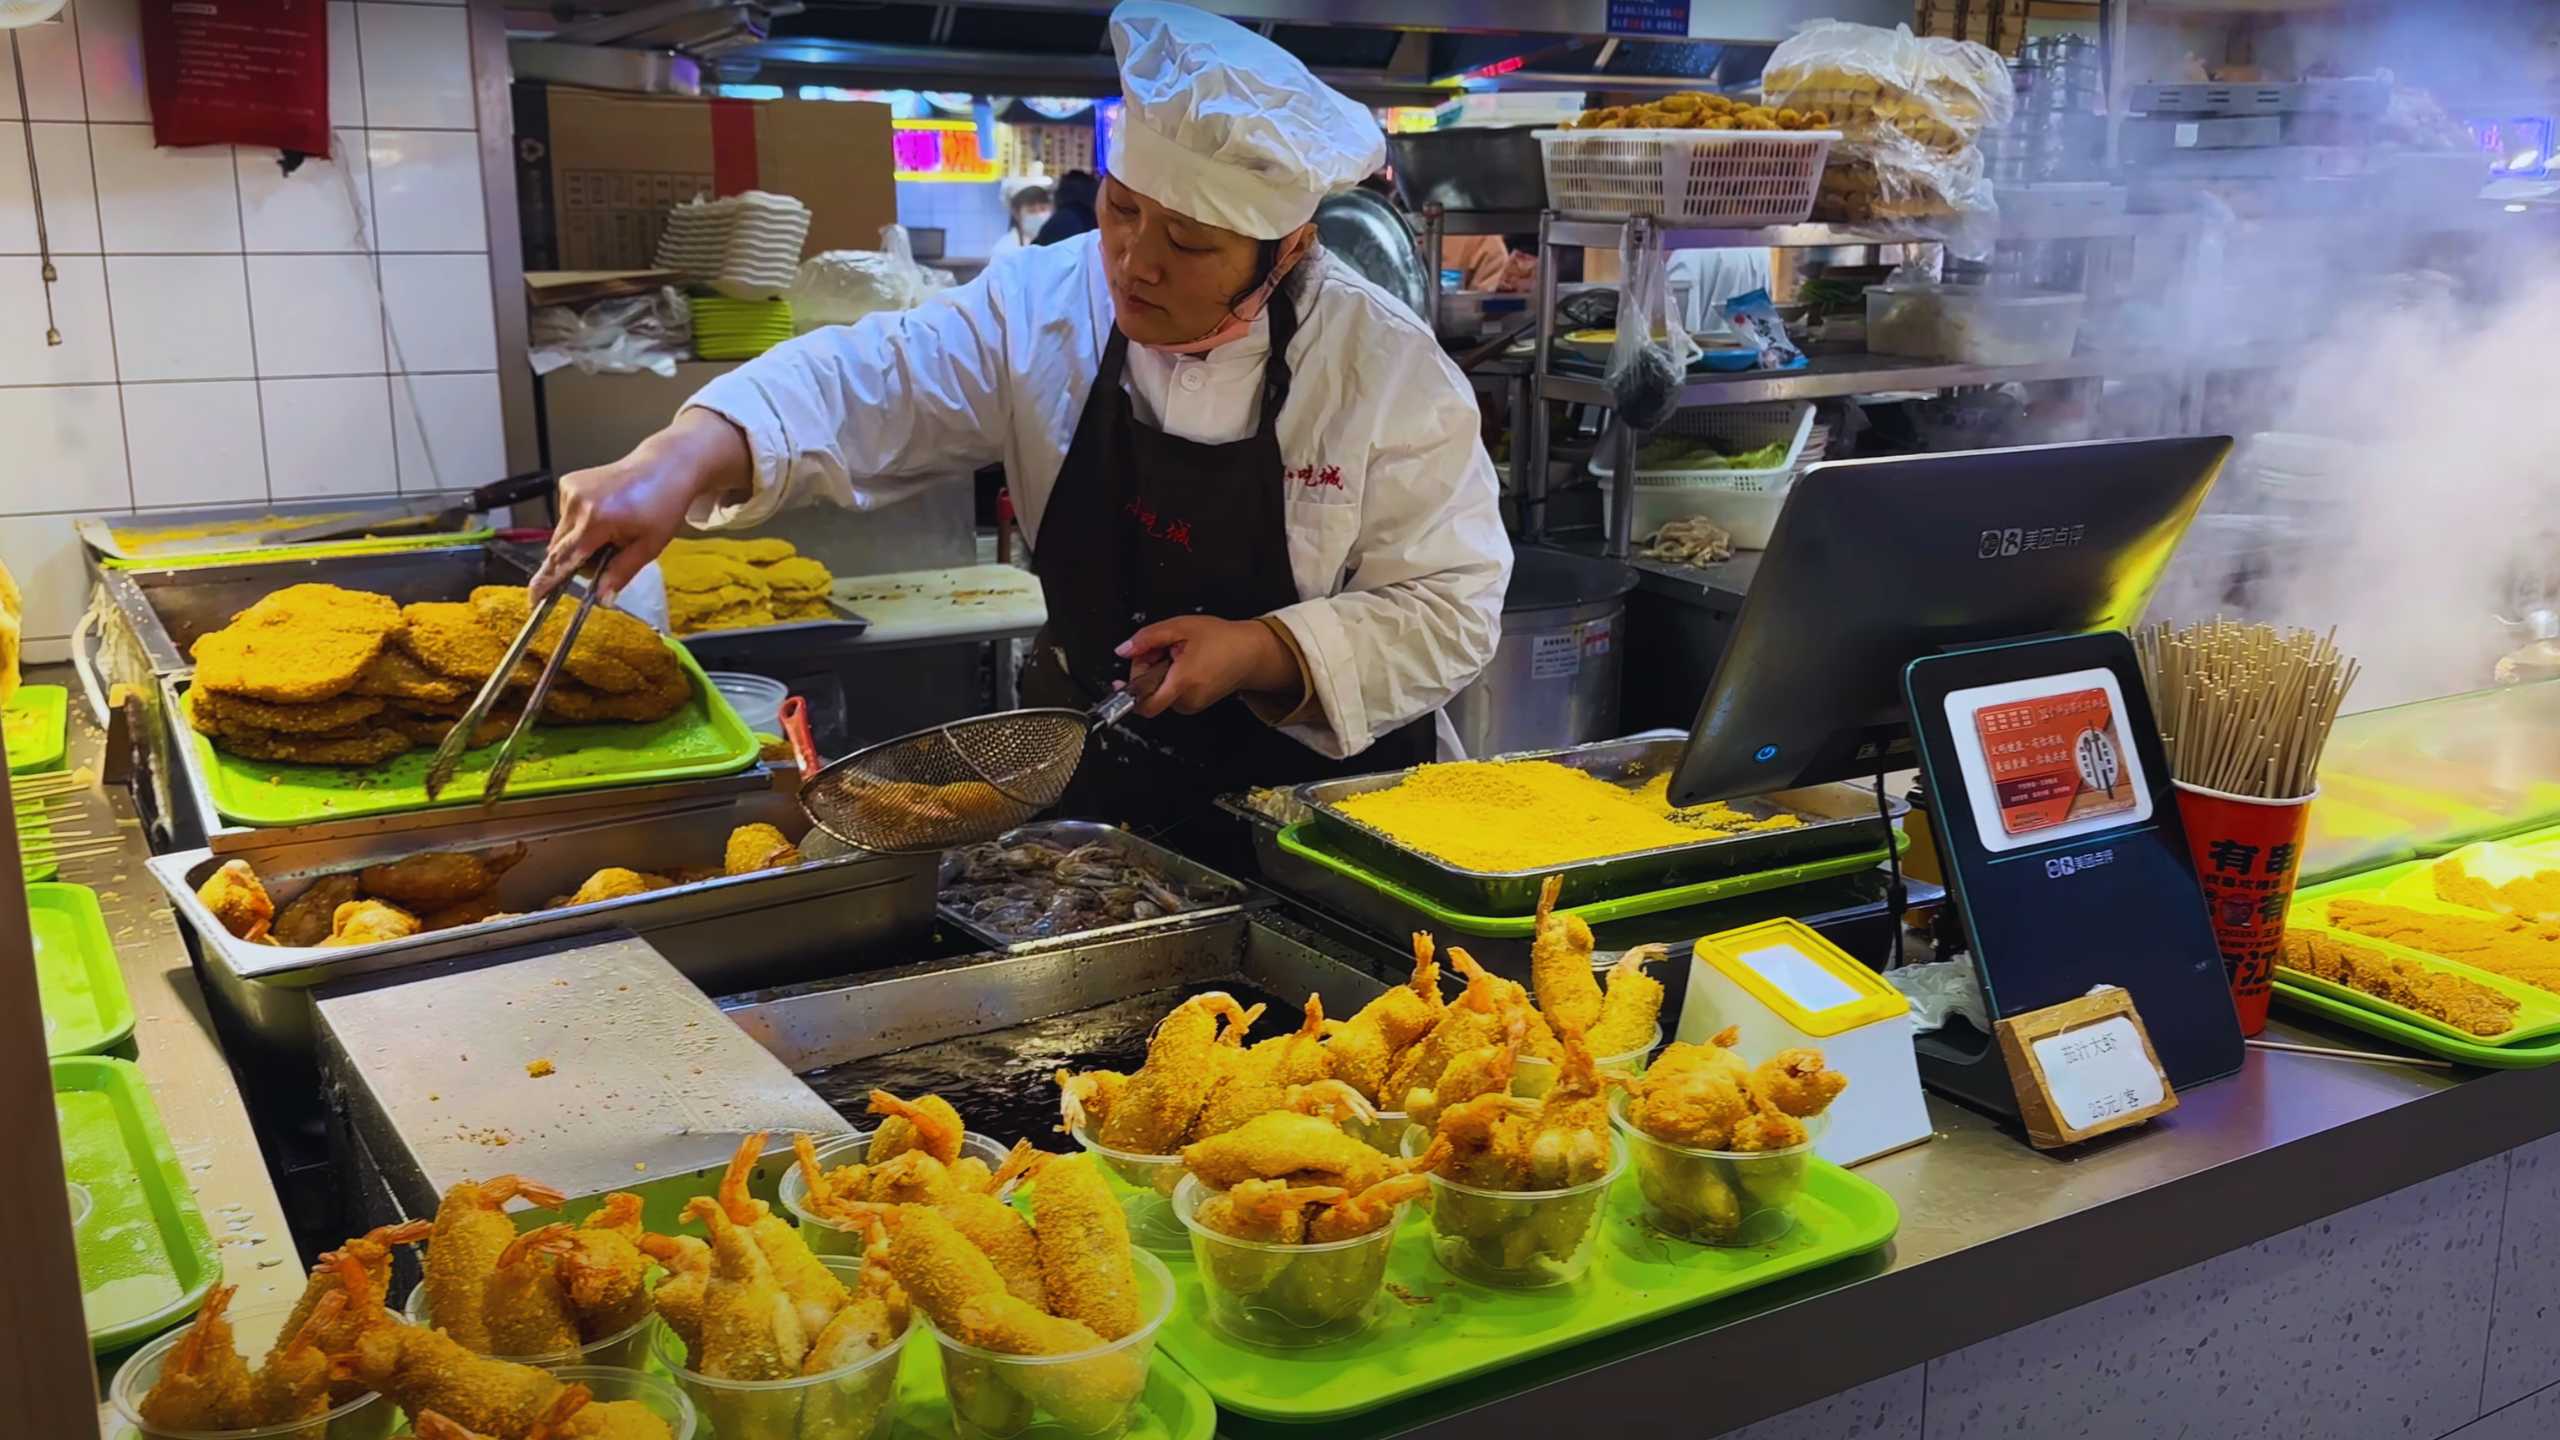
column 471, row 1230
column 203, row 1383
column 927, row 1123
column 1083, row 1240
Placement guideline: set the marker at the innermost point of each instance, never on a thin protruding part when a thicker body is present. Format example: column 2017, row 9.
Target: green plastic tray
column 1175, row 1407
column 322, row 550
column 36, row 724
column 1435, row 1330
column 2417, row 1037
column 146, row 1258
column 1293, row 839
column 85, row 1007
column 706, row 737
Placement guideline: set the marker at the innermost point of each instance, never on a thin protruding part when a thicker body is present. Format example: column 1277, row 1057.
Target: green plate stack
column 725, row 329
column 77, row 983
column 146, row 1257
column 36, row 724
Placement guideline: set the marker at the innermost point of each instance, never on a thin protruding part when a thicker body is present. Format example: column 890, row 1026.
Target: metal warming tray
column 167, row 607
column 806, row 917
column 1181, row 869
column 830, row 1023
column 1839, row 819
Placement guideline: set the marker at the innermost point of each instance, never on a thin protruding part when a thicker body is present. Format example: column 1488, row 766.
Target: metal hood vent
column 701, row 29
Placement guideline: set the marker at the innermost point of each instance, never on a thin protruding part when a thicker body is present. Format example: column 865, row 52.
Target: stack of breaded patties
column 724, row 584
column 324, row 675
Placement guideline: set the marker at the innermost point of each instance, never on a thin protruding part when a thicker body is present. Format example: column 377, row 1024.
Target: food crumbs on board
column 640, row 1166
column 539, row 1068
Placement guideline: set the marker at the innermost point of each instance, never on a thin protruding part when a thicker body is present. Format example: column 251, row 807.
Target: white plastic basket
column 1744, row 503
column 1726, row 178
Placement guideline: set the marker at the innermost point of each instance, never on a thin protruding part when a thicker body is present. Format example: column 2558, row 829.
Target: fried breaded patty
column 365, row 747
column 690, row 570
column 752, row 550
column 579, row 705
column 758, row 847
column 228, row 713
column 459, row 640
column 615, row 652
column 395, row 674
column 797, row 578
column 301, row 644
column 428, row 731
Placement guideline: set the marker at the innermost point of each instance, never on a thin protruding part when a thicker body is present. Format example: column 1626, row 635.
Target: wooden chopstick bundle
column 2245, row 708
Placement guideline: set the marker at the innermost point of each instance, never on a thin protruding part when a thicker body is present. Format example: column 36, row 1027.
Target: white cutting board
column 960, row 603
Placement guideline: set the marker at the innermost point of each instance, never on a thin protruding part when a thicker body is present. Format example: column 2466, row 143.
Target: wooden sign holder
column 2046, row 1127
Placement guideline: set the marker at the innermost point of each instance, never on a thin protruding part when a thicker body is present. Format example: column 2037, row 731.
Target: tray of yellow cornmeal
column 1481, row 835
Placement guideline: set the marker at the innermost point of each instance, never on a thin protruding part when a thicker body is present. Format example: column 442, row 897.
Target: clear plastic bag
column 1651, row 354
column 838, row 287
column 615, row 337
column 1909, row 109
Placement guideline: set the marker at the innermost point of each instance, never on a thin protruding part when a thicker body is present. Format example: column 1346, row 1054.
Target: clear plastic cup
column 1517, row 1239
column 829, row 1237
column 625, row 1349
column 854, row 1402
column 1146, row 1184
column 655, row 1393
column 1384, row 1134
column 1717, row 1197
column 367, row 1417
column 1286, row 1297
column 1532, row 1078
column 757, row 700
column 1091, row 1394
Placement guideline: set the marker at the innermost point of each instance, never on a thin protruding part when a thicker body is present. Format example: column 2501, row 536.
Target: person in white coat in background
column 1240, row 464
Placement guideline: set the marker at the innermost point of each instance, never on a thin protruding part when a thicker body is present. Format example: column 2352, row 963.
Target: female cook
column 1233, row 456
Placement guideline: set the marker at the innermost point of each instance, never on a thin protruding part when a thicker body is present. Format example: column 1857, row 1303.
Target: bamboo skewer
column 2246, row 709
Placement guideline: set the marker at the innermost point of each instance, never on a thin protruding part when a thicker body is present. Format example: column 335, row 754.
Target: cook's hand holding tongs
column 457, row 740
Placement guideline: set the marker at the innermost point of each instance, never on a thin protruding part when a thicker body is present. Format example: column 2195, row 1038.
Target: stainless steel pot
column 1554, row 680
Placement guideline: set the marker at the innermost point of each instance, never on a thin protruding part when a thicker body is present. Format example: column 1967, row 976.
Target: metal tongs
column 458, row 739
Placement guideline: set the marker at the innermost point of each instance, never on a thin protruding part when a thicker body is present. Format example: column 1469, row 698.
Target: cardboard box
column 597, row 171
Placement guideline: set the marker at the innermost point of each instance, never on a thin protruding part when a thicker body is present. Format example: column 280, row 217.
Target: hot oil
column 1003, row 1081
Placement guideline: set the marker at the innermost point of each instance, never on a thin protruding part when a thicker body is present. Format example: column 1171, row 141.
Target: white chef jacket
column 1394, row 521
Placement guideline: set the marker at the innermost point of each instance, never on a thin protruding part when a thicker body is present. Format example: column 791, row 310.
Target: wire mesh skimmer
column 954, row 784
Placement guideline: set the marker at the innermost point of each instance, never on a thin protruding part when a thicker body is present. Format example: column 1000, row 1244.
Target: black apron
column 1143, row 526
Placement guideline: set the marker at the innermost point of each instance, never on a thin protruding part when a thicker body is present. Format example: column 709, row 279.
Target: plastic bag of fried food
column 721, row 584
column 1700, row 110
column 1721, row 1147
column 1910, row 110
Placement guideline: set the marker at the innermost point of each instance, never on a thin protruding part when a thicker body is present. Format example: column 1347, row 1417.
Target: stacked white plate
column 744, row 246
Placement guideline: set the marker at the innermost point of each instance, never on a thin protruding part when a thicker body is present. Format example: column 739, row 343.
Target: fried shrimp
column 203, row 1384
column 926, row 1123
column 1362, row 1049
column 471, row 1231
column 1560, row 963
column 1156, row 1107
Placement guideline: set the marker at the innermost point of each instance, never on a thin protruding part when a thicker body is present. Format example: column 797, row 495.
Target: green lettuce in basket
column 1686, row 452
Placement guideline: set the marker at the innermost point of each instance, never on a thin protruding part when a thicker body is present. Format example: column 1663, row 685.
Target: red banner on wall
column 238, row 72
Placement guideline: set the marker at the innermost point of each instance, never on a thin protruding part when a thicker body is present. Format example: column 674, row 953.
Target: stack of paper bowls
column 738, row 329
column 744, row 246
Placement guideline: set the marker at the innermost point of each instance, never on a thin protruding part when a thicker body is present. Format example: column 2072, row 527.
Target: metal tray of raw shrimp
column 1024, row 923
column 804, row 914
column 1838, row 820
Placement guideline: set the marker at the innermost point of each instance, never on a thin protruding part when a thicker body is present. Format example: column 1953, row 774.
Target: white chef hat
column 1228, row 128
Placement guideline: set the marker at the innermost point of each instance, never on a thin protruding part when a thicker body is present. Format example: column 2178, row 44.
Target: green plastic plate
column 706, row 737
column 36, row 723
column 1294, row 840
column 2411, row 885
column 85, row 1007
column 146, row 1258
column 1175, row 1407
column 1434, row 1329
column 2356, row 1016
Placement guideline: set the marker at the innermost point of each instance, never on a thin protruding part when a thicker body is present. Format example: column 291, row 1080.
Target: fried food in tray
column 300, row 644
column 2456, row 1000
column 730, row 584
column 437, row 890
column 321, row 675
column 1699, row 110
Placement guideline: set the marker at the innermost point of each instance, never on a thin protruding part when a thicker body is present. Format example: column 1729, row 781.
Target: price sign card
column 2054, row 758
column 2083, row 1068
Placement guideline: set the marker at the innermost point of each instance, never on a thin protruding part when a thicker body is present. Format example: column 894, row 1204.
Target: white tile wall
column 223, row 319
